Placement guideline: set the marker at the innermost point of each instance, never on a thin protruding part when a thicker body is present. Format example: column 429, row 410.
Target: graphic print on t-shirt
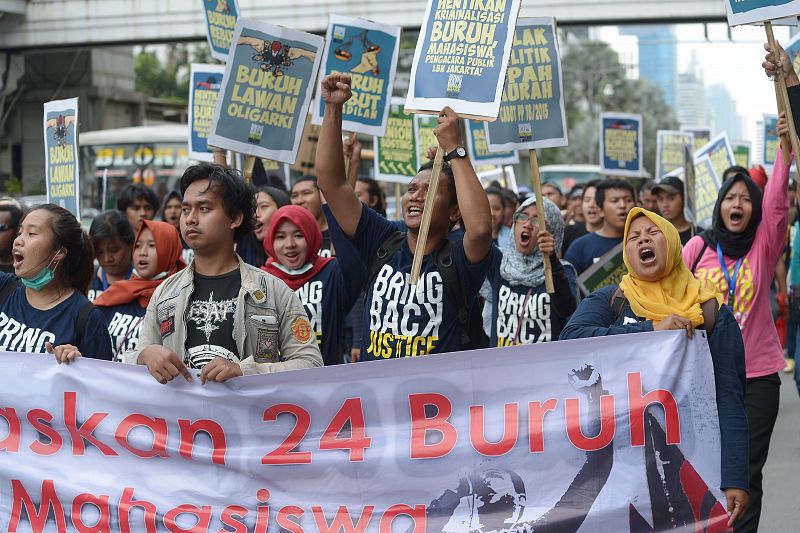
column 17, row 336
column 745, row 289
column 403, row 323
column 208, row 316
column 310, row 295
column 124, row 330
column 522, row 318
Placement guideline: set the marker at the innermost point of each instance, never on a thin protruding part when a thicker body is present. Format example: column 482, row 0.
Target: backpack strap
column 617, row 303
column 10, row 287
column 446, row 265
column 384, row 253
column 80, row 325
column 699, row 256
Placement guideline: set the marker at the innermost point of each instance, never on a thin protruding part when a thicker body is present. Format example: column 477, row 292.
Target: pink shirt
column 763, row 352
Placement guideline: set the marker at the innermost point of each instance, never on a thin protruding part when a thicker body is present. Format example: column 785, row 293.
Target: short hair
column 511, row 198
column 278, row 196
column 447, row 172
column 374, row 190
column 167, row 197
column 588, row 185
column 732, row 171
column 611, row 183
column 110, row 224
column 554, row 185
column 301, row 179
column 237, row 196
column 14, row 210
column 647, row 186
column 134, row 192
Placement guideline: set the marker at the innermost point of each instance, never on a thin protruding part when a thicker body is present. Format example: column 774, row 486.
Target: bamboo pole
column 537, row 189
column 249, row 164
column 427, row 212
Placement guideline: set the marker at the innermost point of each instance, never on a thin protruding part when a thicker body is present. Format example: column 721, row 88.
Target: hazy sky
column 735, row 63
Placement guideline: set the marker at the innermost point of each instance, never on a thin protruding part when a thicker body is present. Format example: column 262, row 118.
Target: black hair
column 374, row 190
column 647, row 186
column 588, row 185
column 78, row 265
column 15, row 211
column 110, row 224
column 511, row 198
column 732, row 171
column 611, row 183
column 167, row 197
column 447, row 171
column 134, row 192
column 278, row 196
column 301, row 179
column 261, row 178
column 236, row 195
column 497, row 191
column 554, row 185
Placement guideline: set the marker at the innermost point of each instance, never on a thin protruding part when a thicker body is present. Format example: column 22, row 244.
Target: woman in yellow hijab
column 659, row 293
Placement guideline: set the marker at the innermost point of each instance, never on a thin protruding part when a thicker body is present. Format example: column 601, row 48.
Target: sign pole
column 427, row 213
column 249, row 164
column 398, row 201
column 537, row 189
column 105, row 188
column 782, row 97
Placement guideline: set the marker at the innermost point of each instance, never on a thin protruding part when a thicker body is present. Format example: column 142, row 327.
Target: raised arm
column 341, row 198
column 472, row 200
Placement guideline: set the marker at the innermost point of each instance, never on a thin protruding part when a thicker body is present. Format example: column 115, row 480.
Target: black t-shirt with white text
column 124, row 325
column 210, row 319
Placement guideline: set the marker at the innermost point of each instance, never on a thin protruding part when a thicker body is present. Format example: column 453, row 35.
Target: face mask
column 40, row 280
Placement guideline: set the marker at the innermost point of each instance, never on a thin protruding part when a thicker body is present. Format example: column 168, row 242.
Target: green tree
column 170, row 78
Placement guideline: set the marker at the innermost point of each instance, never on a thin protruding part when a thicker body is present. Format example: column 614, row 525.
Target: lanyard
column 731, row 280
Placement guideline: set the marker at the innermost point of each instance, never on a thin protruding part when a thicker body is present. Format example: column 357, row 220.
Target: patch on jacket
column 301, row 329
column 168, row 327
column 266, row 346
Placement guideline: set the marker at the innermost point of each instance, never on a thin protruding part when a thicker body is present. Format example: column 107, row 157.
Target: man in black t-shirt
column 669, row 196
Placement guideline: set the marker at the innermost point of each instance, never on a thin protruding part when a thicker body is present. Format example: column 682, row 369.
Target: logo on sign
column 454, row 82
column 338, row 33
column 256, row 132
column 525, row 132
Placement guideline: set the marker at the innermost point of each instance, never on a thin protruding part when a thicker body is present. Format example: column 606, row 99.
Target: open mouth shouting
column 647, row 256
column 18, row 258
column 736, row 218
column 525, row 238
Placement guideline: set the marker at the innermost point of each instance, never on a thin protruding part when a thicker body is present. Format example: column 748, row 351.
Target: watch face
column 461, row 151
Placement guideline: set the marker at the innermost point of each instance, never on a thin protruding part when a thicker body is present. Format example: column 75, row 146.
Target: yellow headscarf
column 677, row 293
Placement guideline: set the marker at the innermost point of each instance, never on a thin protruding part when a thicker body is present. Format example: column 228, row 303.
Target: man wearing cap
column 669, row 195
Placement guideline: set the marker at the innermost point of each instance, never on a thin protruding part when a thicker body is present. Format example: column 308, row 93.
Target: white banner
column 492, row 440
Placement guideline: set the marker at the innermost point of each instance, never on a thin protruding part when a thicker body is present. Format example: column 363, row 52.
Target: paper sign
column 771, row 140
column 706, row 187
column 479, row 149
column 720, row 152
column 749, row 11
column 396, row 152
column 701, row 136
column 221, row 17
column 669, row 151
column 608, row 270
column 621, row 144
column 62, row 168
column 741, row 153
column 205, row 81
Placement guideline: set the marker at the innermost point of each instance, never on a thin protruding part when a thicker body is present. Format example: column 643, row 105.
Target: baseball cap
column 670, row 185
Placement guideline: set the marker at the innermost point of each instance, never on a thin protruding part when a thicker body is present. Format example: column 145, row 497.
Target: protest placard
column 61, row 163
column 792, row 48
column 425, row 125
column 690, row 185
column 412, row 439
column 266, row 91
column 204, row 84
column 749, row 11
column 621, row 144
column 771, row 138
column 461, row 57
column 741, row 153
column 479, row 149
column 720, row 152
column 278, row 169
column 608, row 270
column 669, row 150
column 367, row 51
column 706, row 186
column 396, row 152
column 221, row 17
column 701, row 136
column 531, row 112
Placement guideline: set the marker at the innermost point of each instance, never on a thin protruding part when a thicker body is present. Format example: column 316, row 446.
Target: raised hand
column 335, row 89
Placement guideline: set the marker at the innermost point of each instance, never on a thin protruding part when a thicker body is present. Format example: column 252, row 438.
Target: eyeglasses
column 522, row 217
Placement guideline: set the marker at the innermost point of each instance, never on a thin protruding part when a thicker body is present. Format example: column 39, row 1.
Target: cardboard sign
column 425, row 125
column 396, row 152
column 61, row 163
column 669, row 151
column 461, row 57
column 608, row 270
column 621, row 144
column 701, row 136
column 749, row 11
column 706, row 187
column 532, row 112
column 771, row 140
column 479, row 149
column 720, row 152
column 367, row 51
column 221, row 17
column 266, row 93
column 205, row 82
column 741, row 153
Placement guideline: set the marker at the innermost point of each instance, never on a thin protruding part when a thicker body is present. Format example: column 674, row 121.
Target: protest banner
column 706, row 186
column 719, row 152
column 461, row 57
column 741, row 153
column 367, row 51
column 425, row 125
column 621, row 144
column 749, row 11
column 608, row 270
column 701, row 136
column 266, row 91
column 566, row 441
column 61, row 163
column 396, row 152
column 669, row 151
column 221, row 17
column 771, row 140
column 531, row 112
column 479, row 149
column 792, row 48
column 204, row 84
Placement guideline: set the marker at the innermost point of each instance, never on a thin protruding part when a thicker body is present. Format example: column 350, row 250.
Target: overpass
column 43, row 24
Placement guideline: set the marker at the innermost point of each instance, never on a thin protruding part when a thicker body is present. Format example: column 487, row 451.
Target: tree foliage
column 169, row 78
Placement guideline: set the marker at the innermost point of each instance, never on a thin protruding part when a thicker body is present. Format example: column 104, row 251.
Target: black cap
column 670, row 185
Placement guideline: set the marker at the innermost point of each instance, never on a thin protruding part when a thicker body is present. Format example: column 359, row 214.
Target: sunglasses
column 522, row 217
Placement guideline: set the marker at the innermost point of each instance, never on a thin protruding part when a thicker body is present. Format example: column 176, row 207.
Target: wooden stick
column 782, row 97
column 427, row 213
column 249, row 164
column 398, row 202
column 537, row 189
column 347, row 161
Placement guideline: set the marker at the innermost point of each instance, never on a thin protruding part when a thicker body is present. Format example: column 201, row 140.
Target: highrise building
column 724, row 112
column 692, row 108
column 658, row 57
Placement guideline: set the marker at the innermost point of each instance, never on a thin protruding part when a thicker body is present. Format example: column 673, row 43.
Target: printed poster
column 720, row 152
column 771, row 140
column 669, row 151
column 396, row 152
column 266, row 91
column 367, row 51
column 741, row 153
column 425, row 138
column 622, row 429
column 608, row 270
column 690, row 186
column 479, row 149
column 701, row 136
column 749, row 11
column 61, row 162
column 706, row 186
column 621, row 144
column 792, row 48
column 461, row 57
column 532, row 112
column 221, row 17
column 205, row 81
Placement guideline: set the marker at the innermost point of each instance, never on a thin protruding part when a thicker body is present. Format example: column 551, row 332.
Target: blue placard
column 749, row 11
column 221, row 17
column 771, row 140
column 621, row 144
column 205, row 81
column 479, row 148
column 61, row 154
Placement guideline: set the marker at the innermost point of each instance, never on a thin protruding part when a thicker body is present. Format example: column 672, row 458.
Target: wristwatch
column 459, row 151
